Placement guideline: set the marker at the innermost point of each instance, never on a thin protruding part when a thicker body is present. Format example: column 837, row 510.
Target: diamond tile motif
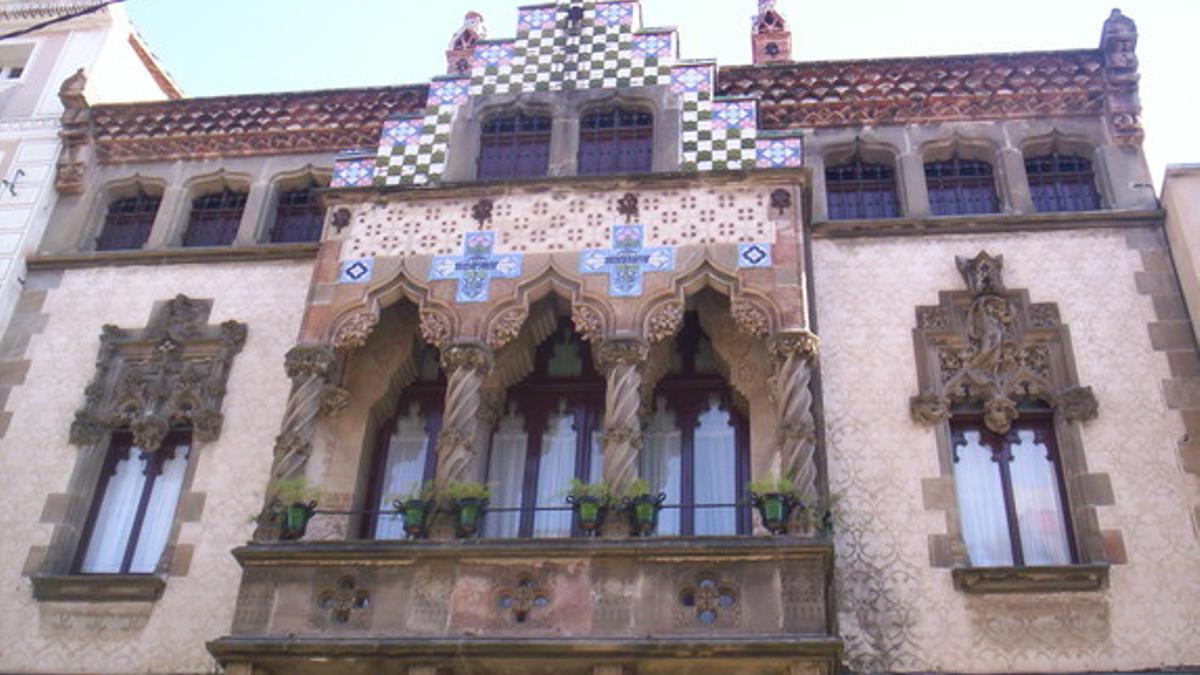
column 448, row 92
column 476, row 267
column 495, row 55
column 627, row 261
column 353, row 172
column 615, row 14
column 780, row 153
column 733, row 115
column 402, row 131
column 357, row 271
column 692, row 79
column 654, row 45
column 536, row 19
column 754, row 255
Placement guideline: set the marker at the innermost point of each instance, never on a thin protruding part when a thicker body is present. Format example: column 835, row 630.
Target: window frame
column 212, row 217
column 1059, row 181
column 858, row 185
column 963, row 189
column 120, row 444
column 615, row 137
column 278, row 231
column 126, row 221
column 494, row 141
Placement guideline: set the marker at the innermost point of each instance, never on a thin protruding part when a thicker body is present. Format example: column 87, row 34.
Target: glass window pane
column 715, row 471
column 404, row 470
column 114, row 520
column 1039, row 503
column 981, row 502
column 555, row 471
column 506, row 476
column 160, row 510
column 659, row 464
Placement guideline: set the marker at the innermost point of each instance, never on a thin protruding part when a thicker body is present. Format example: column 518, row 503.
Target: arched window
column 128, row 222
column 1011, row 494
column 215, row 218
column 134, row 506
column 616, row 140
column 696, row 447
column 514, row 146
column 856, row 189
column 548, row 434
column 960, row 187
column 1062, row 183
column 298, row 215
column 404, row 456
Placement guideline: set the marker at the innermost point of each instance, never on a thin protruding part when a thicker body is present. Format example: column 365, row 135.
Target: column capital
column 309, row 360
column 624, row 351
column 802, row 343
column 474, row 356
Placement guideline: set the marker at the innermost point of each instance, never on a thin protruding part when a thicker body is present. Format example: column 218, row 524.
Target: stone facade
column 840, row 347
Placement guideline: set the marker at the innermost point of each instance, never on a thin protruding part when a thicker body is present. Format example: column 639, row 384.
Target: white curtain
column 715, row 471
column 555, row 471
column 506, row 476
column 659, row 464
column 403, row 471
column 114, row 520
column 1039, row 503
column 160, row 512
column 981, row 503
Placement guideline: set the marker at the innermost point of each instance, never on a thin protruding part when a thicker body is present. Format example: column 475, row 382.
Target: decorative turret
column 462, row 48
column 772, row 39
column 1118, row 43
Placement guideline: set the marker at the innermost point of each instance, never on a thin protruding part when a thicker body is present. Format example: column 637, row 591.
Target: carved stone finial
column 461, row 53
column 628, row 207
column 983, row 274
column 76, row 135
column 772, row 40
column 1118, row 43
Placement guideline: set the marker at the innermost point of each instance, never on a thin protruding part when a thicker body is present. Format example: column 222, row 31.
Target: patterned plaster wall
column 36, row 460
column 897, row 613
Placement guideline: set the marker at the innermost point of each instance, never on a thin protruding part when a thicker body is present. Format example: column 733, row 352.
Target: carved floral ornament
column 992, row 348
column 172, row 373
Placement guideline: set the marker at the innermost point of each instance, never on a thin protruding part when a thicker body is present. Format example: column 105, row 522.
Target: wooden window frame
column 1042, row 425
column 119, row 446
column 961, row 184
column 128, row 222
column 1068, row 183
column 215, row 218
column 850, row 181
column 495, row 143
column 630, row 129
column 298, row 220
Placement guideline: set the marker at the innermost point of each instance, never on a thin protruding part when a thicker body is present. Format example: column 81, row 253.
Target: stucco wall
column 36, row 460
column 899, row 613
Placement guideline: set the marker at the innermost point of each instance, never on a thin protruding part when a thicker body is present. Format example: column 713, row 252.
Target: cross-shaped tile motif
column 476, row 267
column 626, row 261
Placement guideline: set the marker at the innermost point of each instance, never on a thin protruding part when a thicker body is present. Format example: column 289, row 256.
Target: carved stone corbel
column 505, row 327
column 664, row 322
column 172, row 373
column 1123, row 107
column 466, row 365
column 622, row 361
column 435, row 328
column 792, row 357
column 587, row 323
column 353, row 332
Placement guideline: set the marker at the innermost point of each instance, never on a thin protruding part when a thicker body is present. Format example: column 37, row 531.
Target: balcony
column 649, row 605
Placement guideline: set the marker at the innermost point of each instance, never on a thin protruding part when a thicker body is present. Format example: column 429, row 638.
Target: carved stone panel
column 169, row 374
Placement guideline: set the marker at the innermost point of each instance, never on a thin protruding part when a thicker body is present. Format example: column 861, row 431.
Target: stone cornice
column 98, row 588
column 985, row 224
column 173, row 256
column 1035, row 579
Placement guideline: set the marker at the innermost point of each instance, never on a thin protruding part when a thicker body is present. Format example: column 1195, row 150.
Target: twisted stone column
column 792, row 356
column 310, row 367
column 622, row 362
column 466, row 366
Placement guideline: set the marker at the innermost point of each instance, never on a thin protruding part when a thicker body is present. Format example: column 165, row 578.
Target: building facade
column 931, row 299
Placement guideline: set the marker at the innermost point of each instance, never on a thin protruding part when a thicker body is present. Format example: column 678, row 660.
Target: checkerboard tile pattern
column 605, row 49
column 353, row 170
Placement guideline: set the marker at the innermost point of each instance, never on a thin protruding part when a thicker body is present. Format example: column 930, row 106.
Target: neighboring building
column 576, row 255
column 1181, row 201
column 33, row 67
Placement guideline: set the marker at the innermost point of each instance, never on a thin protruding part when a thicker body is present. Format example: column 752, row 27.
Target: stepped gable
column 255, row 124
column 934, row 89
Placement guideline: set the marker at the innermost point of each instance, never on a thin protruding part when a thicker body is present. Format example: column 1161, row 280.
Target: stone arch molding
column 993, row 347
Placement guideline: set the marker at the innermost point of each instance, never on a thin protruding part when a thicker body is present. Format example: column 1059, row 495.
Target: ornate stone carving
column 341, row 219
column 435, row 328
column 172, row 373
column 522, row 599
column 482, row 211
column 587, row 322
column 506, row 327
column 792, row 355
column 1118, row 43
column 342, row 603
column 994, row 350
column 781, row 200
column 750, row 318
column 353, row 333
column 628, row 207
column 709, row 601
column 622, row 362
column 76, row 135
column 664, row 322
column 309, row 360
column 334, row 400
column 466, row 366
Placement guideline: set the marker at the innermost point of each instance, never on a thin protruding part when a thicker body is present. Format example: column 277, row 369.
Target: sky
column 215, row 47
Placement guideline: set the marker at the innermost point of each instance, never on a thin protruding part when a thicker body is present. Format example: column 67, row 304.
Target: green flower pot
column 295, row 520
column 643, row 513
column 775, row 509
column 468, row 515
column 416, row 517
column 589, row 513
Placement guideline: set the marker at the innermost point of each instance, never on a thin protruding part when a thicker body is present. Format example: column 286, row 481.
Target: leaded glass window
column 961, row 187
column 514, row 146
column 1062, row 183
column 857, row 190
column 215, row 218
column 616, row 140
column 298, row 216
column 128, row 222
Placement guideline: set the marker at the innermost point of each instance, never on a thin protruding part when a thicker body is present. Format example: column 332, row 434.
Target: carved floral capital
column 664, row 322
column 468, row 355
column 800, row 344
column 354, row 332
column 621, row 352
column 310, row 361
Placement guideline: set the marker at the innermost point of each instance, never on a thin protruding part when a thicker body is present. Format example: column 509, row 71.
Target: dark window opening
column 215, row 218
column 515, row 146
column 298, row 216
column 128, row 222
column 133, row 510
column 1011, row 494
column 616, row 140
column 858, row 190
column 961, row 187
column 1062, row 183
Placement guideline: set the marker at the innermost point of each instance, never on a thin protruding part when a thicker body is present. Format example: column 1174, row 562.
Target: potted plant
column 296, row 501
column 468, row 502
column 643, row 507
column 590, row 502
column 775, row 498
column 416, row 506
column 819, row 515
